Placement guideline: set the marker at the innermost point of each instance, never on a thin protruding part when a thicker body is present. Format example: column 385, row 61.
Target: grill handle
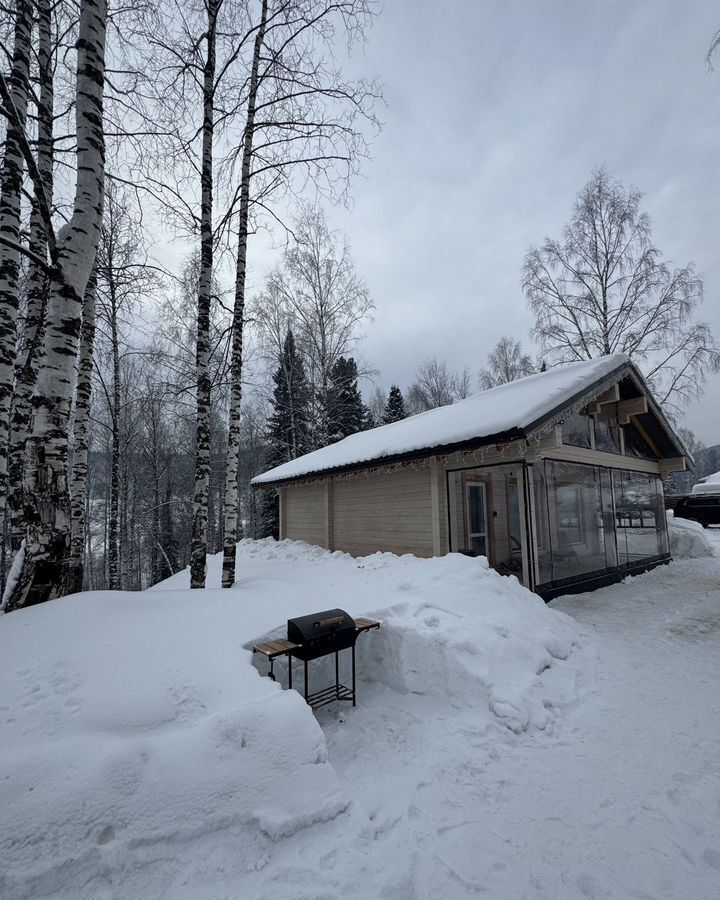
column 328, row 623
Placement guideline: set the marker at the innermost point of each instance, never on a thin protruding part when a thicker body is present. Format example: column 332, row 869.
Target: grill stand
column 330, row 694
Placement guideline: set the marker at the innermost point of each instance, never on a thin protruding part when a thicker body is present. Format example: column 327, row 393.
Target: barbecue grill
column 314, row 636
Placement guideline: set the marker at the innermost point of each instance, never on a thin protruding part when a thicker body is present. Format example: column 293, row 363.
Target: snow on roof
column 708, row 485
column 510, row 407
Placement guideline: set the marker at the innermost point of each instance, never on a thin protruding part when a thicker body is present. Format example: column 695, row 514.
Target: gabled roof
column 504, row 413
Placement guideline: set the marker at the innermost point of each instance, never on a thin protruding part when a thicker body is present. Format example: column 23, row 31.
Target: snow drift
column 687, row 539
column 131, row 723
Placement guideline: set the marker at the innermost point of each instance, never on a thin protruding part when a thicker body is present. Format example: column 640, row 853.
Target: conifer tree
column 288, row 431
column 395, row 406
column 345, row 412
column 289, row 423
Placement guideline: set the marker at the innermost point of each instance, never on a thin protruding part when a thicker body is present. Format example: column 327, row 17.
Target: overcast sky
column 497, row 112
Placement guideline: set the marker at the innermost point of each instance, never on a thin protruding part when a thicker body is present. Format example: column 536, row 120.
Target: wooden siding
column 389, row 511
column 386, row 511
column 304, row 513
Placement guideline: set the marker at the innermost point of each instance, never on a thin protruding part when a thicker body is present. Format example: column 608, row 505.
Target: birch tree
column 506, row 362
column 301, row 117
column 15, row 99
column 81, row 425
column 46, row 502
column 604, row 288
column 29, row 348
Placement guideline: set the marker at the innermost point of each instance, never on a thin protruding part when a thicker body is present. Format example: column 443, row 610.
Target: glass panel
column 476, row 508
column 477, row 545
column 576, row 516
column 513, row 516
column 640, row 520
column 607, row 434
column 542, row 528
column 635, row 444
column 576, row 430
column 608, row 517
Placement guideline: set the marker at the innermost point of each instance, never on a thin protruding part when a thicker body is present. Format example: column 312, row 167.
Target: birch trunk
column 10, row 199
column 114, row 524
column 26, row 365
column 78, row 479
column 46, row 499
column 236, row 360
column 198, row 552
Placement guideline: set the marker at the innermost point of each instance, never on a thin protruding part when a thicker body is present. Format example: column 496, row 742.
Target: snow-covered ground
column 499, row 748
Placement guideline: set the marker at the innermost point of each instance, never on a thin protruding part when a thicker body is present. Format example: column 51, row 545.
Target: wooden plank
column 634, row 407
column 272, row 649
column 365, row 624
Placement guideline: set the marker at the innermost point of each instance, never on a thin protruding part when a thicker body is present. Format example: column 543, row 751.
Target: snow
column 469, row 766
column 687, row 539
column 708, row 485
column 135, row 724
column 517, row 405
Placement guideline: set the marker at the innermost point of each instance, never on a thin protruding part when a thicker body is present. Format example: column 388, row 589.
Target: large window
column 575, row 519
column 590, row 518
column 640, row 517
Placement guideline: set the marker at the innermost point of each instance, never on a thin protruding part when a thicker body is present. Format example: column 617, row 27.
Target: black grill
column 322, row 633
column 310, row 637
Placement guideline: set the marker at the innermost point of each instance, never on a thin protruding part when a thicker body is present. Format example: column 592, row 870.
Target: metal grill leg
column 306, row 681
column 289, row 659
column 353, row 673
column 337, row 675
column 271, row 674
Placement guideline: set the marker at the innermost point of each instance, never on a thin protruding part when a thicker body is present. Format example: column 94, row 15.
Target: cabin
column 555, row 478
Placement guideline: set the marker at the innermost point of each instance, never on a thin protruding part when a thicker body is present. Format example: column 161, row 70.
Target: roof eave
column 504, row 437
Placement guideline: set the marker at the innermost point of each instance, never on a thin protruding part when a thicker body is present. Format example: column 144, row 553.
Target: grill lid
column 321, row 633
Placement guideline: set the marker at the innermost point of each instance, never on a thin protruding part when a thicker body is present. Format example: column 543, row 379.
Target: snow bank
column 134, row 719
column 687, row 539
column 132, row 724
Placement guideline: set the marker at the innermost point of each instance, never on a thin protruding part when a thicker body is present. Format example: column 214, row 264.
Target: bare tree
column 604, row 289
column 435, row 385
column 317, row 293
column 506, row 362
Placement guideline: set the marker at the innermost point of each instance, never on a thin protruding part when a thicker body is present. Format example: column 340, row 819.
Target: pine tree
column 345, row 412
column 395, row 406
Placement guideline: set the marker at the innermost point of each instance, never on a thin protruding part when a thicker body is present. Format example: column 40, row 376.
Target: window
column 636, row 445
column 576, row 519
column 640, row 516
column 607, row 434
column 569, row 512
column 576, row 430
column 477, row 517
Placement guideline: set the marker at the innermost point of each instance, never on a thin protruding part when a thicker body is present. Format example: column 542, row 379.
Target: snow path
column 621, row 801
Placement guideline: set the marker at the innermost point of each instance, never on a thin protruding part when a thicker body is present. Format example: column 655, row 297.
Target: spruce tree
column 288, row 428
column 289, row 424
column 395, row 406
column 345, row 412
